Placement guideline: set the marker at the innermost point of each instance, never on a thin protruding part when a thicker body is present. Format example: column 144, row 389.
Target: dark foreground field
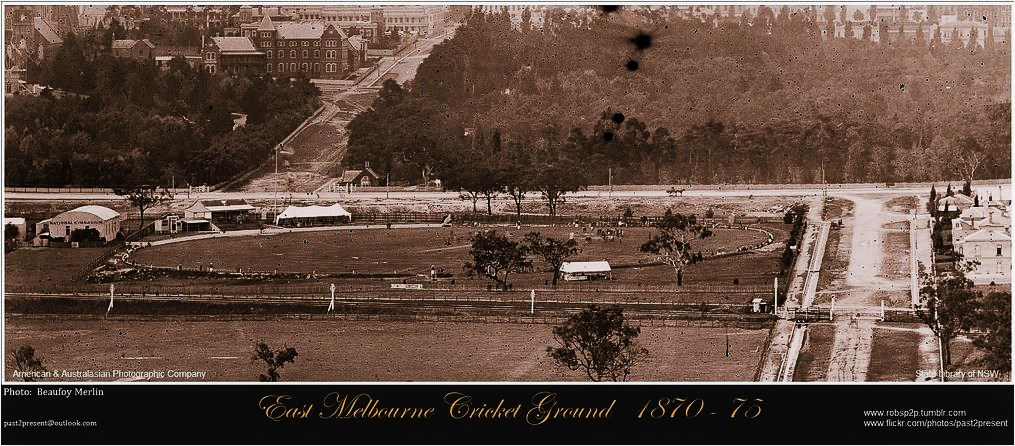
column 370, row 350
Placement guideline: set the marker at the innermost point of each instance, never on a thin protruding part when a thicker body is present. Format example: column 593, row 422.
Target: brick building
column 319, row 50
column 232, row 55
column 27, row 35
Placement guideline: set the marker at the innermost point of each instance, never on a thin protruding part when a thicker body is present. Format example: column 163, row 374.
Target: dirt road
column 866, row 280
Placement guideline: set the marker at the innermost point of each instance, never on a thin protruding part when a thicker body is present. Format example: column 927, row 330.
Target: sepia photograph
column 510, row 194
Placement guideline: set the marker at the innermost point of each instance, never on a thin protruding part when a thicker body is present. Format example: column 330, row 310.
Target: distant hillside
column 769, row 101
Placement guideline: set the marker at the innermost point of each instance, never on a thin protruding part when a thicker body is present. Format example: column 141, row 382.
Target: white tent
column 335, row 211
column 585, row 270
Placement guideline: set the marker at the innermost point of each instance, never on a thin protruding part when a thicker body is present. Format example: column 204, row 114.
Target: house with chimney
column 365, row 177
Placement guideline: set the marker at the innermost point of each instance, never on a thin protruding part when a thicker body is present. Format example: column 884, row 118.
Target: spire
column 266, row 24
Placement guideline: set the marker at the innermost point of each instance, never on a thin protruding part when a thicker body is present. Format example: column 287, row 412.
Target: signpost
column 331, row 307
column 112, row 289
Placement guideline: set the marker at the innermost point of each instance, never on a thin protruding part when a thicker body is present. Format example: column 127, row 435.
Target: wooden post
column 775, row 293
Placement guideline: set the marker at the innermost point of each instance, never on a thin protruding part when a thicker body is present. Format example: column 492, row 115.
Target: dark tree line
column 112, row 122
column 766, row 100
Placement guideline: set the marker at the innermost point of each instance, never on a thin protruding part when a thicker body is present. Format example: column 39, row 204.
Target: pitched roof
column 300, row 30
column 266, row 24
column 314, row 211
column 599, row 266
column 354, row 42
column 99, row 211
column 46, row 31
column 987, row 235
column 349, row 175
column 236, row 45
column 126, row 44
column 123, row 44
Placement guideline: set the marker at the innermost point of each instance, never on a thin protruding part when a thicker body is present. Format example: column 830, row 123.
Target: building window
column 317, row 43
column 266, row 44
column 281, row 54
column 317, row 54
column 209, row 56
column 281, row 68
column 306, row 43
column 999, row 250
column 266, row 34
column 268, row 54
column 329, row 43
column 305, row 54
column 268, row 68
column 317, row 68
column 292, row 67
column 292, row 43
column 304, row 67
column 292, row 54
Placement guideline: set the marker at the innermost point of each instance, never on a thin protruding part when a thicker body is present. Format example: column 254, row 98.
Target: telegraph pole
column 610, row 175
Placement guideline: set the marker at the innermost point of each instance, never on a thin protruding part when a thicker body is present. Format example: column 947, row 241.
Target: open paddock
column 370, row 350
column 816, row 353
column 895, row 355
column 42, row 268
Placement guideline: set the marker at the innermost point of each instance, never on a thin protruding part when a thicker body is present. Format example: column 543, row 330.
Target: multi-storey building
column 366, row 22
column 316, row 49
column 424, row 20
column 232, row 55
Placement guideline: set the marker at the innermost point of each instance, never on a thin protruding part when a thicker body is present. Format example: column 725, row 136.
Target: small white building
column 976, row 218
column 586, row 270
column 17, row 222
column 101, row 218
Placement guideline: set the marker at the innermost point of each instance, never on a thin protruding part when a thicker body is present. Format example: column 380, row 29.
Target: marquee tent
column 310, row 215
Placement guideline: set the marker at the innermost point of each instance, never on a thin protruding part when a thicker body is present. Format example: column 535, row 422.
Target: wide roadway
column 593, row 192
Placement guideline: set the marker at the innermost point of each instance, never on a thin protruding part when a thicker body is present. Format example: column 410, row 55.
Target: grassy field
column 370, row 351
column 896, row 260
column 901, row 204
column 415, row 251
column 835, row 261
column 42, row 267
column 812, row 364
column 895, row 355
column 835, row 208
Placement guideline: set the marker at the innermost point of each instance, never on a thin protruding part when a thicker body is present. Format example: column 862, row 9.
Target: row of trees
column 754, row 106
column 118, row 122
